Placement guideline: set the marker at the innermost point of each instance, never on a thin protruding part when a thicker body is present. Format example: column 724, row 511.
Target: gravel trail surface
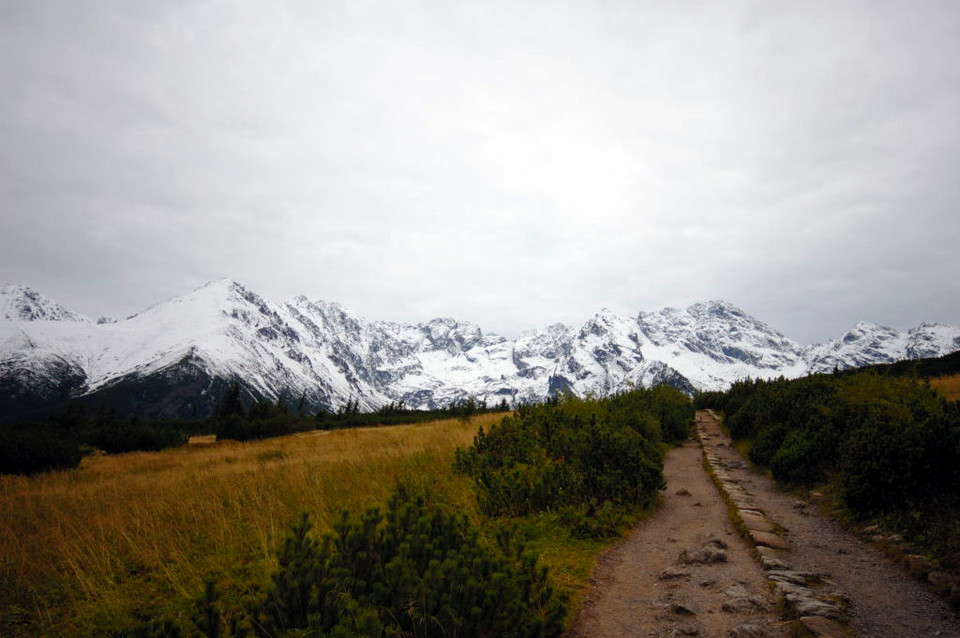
column 685, row 571
column 643, row 587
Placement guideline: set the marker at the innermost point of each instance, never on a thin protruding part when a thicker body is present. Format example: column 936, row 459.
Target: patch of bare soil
column 683, row 572
column 884, row 601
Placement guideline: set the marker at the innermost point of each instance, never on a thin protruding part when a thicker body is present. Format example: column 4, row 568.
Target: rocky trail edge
column 730, row 555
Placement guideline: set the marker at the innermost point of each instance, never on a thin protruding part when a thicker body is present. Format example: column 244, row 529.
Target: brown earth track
column 885, row 601
column 628, row 597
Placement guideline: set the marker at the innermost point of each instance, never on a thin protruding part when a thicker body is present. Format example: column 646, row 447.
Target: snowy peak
column 870, row 343
column 720, row 331
column 451, row 336
column 20, row 303
column 193, row 345
column 864, row 344
column 719, row 309
column 931, row 340
column 542, row 349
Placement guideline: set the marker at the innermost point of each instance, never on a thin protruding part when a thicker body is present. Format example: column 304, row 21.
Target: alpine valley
column 178, row 357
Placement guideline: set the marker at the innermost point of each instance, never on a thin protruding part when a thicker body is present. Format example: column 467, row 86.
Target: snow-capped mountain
column 19, row 303
column 716, row 343
column 177, row 357
column 868, row 343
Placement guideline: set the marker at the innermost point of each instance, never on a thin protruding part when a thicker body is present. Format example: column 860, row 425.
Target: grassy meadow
column 85, row 552
column 948, row 386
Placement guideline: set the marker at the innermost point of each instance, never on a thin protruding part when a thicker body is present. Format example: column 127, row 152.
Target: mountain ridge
column 321, row 351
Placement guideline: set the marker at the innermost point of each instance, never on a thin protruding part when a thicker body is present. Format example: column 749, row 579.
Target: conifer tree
column 231, row 404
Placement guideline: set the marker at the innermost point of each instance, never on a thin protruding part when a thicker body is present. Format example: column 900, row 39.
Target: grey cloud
column 512, row 164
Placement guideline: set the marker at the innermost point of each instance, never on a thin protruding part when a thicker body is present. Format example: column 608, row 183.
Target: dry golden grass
column 949, row 387
column 82, row 550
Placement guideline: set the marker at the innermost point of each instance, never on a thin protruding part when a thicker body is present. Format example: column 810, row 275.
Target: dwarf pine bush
column 567, row 454
column 890, row 444
column 413, row 571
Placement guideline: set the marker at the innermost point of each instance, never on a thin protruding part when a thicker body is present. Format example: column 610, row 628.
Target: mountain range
column 176, row 358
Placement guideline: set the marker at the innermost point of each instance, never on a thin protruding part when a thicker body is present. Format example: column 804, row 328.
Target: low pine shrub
column 30, row 449
column 568, row 454
column 411, row 571
column 128, row 436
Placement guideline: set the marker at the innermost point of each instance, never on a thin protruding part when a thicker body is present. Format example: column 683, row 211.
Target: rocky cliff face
column 177, row 356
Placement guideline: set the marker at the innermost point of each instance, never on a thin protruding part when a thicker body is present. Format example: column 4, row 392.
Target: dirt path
column 643, row 588
column 635, row 595
column 884, row 601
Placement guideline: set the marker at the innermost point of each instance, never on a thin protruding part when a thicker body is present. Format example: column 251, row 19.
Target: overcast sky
column 512, row 163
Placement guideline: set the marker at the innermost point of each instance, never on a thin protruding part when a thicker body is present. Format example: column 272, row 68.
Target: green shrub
column 891, row 444
column 591, row 521
column 240, row 428
column 416, row 571
column 882, row 462
column 767, row 442
column 30, row 449
column 796, row 461
column 567, row 454
column 131, row 435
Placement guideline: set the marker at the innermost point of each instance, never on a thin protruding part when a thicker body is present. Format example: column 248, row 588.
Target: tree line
column 61, row 442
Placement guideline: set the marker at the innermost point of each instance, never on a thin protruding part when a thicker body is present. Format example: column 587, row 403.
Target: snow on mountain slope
column 931, row 340
column 863, row 344
column 869, row 343
column 604, row 355
column 223, row 327
column 20, row 303
column 319, row 349
column 715, row 343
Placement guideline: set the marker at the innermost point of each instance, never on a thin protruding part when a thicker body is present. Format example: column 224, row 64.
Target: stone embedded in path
column 769, row 563
column 744, row 605
column 719, row 543
column 741, row 601
column 789, row 589
column 683, row 609
column 799, row 576
column 756, row 523
column 673, row 573
column 733, row 490
column 808, row 606
column 748, row 631
column 769, row 540
column 820, row 626
column 787, row 576
column 736, row 590
column 702, row 555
